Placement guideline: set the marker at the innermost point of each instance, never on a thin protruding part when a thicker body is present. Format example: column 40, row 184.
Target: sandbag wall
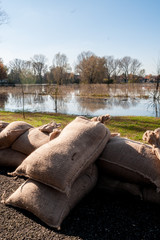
column 61, row 171
column 63, row 166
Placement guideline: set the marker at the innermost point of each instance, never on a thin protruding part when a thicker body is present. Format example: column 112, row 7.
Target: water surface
column 73, row 104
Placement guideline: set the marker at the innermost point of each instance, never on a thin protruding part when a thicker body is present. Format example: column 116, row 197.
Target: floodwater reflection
column 73, row 104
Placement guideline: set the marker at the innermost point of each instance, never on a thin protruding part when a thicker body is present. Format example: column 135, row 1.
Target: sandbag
column 11, row 132
column 150, row 195
column 115, row 186
column 131, row 161
column 31, row 140
column 152, row 137
column 3, row 124
column 11, row 158
column 59, row 162
column 48, row 204
column 49, row 127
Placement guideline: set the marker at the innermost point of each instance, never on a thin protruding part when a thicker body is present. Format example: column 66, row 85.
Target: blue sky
column 106, row 27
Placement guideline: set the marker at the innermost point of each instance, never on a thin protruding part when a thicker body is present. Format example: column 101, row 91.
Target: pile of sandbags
column 9, row 133
column 130, row 166
column 63, row 166
column 61, row 171
column 35, row 137
column 18, row 139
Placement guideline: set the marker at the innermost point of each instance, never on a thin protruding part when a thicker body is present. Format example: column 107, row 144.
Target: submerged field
column 131, row 127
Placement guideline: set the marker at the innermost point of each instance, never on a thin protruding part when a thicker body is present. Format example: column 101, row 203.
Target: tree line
column 89, row 68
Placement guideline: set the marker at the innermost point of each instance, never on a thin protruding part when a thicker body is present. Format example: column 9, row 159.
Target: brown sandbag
column 152, row 137
column 49, row 127
column 3, row 125
column 11, row 132
column 11, row 158
column 115, row 186
column 150, row 195
column 31, row 140
column 48, row 204
column 59, row 162
column 131, row 161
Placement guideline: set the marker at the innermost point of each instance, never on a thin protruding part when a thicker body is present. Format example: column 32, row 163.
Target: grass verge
column 131, row 127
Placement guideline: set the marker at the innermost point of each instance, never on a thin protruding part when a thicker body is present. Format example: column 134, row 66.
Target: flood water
column 72, row 103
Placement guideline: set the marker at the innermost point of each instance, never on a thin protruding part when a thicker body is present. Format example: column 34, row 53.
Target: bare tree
column 125, row 63
column 112, row 67
column 84, row 55
column 135, row 69
column 117, row 70
column 16, row 67
column 90, row 67
column 27, row 75
column 130, row 69
column 39, row 66
column 156, row 94
column 21, row 72
column 60, row 68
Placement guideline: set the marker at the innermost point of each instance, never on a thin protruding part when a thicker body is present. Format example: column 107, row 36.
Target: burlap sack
column 150, row 195
column 11, row 158
column 11, row 132
column 3, row 125
column 49, row 127
column 115, row 186
column 131, row 161
column 31, row 140
column 59, row 162
column 48, row 204
column 152, row 137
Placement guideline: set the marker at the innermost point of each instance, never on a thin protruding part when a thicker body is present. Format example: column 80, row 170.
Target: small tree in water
column 156, row 94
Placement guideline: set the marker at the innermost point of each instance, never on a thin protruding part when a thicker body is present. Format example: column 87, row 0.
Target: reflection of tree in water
column 60, row 104
column 93, row 104
column 29, row 99
column 125, row 103
column 34, row 88
column 154, row 105
column 90, row 104
column 115, row 90
column 36, row 99
column 3, row 99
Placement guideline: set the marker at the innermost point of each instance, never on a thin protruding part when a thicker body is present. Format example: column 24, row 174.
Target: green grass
column 36, row 119
column 131, row 127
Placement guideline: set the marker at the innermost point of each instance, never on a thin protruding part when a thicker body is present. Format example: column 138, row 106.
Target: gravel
column 98, row 216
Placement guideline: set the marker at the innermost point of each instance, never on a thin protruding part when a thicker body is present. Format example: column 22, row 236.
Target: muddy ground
column 98, row 216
